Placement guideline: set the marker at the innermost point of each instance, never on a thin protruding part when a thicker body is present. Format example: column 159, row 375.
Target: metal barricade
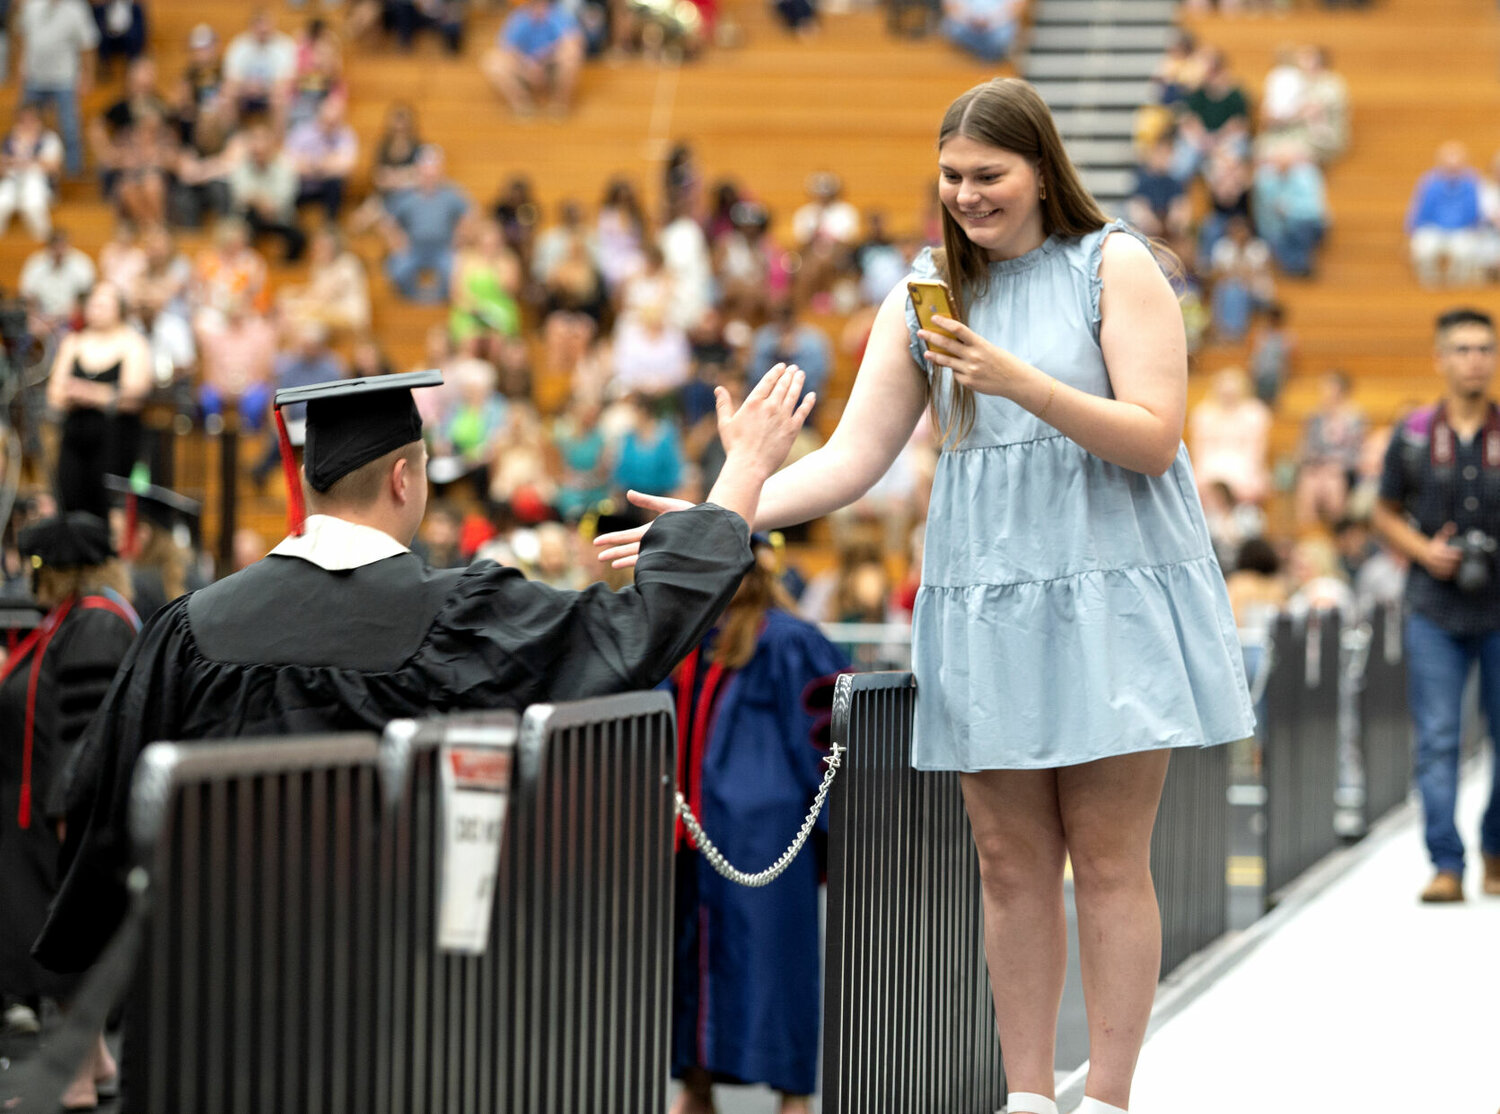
column 1300, row 747
column 1189, row 850
column 908, row 1022
column 446, row 1037
column 570, row 1006
column 1385, row 725
column 255, row 991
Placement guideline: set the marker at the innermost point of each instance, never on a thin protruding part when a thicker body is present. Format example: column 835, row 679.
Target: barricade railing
column 261, row 860
column 908, row 1024
column 306, row 946
column 1299, row 746
column 1384, row 722
column 1189, row 850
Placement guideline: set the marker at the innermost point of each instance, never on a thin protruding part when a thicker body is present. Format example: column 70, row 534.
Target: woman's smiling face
column 993, row 195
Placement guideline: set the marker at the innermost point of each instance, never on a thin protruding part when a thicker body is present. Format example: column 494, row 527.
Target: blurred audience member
column 1317, row 581
column 337, row 292
column 238, row 362
column 619, row 233
column 463, row 446
column 685, row 253
column 1230, row 183
column 536, row 58
column 1228, row 433
column 826, row 229
column 1230, row 522
column 786, row 340
column 59, row 41
column 1257, row 590
column 1332, row 438
column 1158, row 204
column 583, row 472
column 228, row 272
column 263, row 191
column 122, row 30
column 259, row 66
column 31, row 159
column 160, row 296
column 1273, row 347
column 1216, row 118
column 1291, row 208
column 1444, row 222
column 146, row 169
column 485, row 285
column 420, row 226
column 322, row 151
column 984, row 28
column 54, row 280
column 101, row 376
column 446, row 17
column 1242, row 281
column 649, row 456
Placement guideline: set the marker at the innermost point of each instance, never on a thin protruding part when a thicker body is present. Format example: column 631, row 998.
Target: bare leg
column 795, row 1104
column 697, row 1093
column 1108, row 809
column 568, row 62
column 1018, row 833
column 503, row 70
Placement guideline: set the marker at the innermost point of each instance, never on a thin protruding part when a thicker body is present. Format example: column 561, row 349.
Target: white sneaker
column 22, row 1020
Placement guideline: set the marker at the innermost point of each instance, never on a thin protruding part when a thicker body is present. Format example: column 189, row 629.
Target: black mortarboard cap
column 350, row 422
column 160, row 506
column 75, row 540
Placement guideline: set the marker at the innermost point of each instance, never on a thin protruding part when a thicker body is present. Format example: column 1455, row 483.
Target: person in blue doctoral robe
column 746, row 994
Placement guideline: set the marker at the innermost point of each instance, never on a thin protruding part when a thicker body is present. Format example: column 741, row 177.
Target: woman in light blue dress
column 1072, row 626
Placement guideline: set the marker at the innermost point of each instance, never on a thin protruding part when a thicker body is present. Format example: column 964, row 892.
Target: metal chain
column 716, row 857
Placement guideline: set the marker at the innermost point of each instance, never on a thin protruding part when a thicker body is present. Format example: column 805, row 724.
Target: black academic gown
column 60, row 675
column 286, row 647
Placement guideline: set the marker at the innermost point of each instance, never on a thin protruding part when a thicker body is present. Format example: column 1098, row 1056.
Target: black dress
column 95, row 443
column 72, row 658
column 286, row 647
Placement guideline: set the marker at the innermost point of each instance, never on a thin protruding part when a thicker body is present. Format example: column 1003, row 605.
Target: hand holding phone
column 928, row 297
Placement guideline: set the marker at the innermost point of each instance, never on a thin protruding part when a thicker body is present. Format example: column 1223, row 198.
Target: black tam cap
column 76, row 540
column 351, row 422
column 160, row 506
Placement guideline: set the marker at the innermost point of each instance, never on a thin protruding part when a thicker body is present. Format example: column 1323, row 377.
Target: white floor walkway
column 1358, row 999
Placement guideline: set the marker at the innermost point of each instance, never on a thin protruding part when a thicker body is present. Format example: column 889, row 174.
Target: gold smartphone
column 929, row 296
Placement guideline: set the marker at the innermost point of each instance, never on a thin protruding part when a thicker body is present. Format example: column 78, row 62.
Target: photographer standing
column 1440, row 506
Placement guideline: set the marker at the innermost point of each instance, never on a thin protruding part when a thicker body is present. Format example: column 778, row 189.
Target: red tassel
column 296, row 510
column 127, row 550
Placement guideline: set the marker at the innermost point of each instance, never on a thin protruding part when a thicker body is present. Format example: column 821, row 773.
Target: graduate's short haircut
column 362, row 486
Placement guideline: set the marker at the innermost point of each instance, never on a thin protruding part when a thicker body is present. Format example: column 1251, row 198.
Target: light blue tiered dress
column 1070, row 609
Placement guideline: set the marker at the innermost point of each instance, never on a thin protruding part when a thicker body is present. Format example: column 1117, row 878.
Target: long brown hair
column 760, row 591
column 163, row 554
column 1008, row 113
column 53, row 585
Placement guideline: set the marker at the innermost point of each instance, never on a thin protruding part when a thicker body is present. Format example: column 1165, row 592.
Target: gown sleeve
column 85, row 667
column 142, row 706
column 509, row 640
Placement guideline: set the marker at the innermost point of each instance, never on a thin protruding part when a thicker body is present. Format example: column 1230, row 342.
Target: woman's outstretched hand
column 983, row 367
column 756, row 438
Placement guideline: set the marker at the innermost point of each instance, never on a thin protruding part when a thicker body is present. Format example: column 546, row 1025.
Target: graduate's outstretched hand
column 756, row 438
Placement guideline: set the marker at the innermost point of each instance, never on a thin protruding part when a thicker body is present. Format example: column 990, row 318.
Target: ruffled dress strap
column 1093, row 246
column 923, row 269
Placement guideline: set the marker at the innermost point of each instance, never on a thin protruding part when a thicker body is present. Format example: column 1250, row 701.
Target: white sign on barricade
column 476, row 794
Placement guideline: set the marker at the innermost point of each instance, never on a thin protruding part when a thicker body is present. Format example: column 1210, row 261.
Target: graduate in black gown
column 162, row 568
column 50, row 685
column 342, row 628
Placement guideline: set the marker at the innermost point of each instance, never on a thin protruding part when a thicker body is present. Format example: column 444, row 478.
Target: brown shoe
column 1445, row 886
column 1492, row 875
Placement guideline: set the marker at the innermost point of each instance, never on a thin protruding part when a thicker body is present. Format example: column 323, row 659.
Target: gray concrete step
column 1150, row 37
column 1093, row 94
column 1094, row 123
column 1053, row 12
column 1094, row 64
column 1099, row 153
column 1105, row 183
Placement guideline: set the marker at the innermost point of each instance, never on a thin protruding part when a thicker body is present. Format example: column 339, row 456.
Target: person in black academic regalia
column 342, row 628
column 50, row 685
column 162, row 568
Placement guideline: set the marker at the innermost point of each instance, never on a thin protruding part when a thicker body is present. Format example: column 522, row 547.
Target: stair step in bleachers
column 1101, row 153
column 1094, row 93
column 1082, row 123
column 1090, row 64
column 1109, row 11
column 1151, row 38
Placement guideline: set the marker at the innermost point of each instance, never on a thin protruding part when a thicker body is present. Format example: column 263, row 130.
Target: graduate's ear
column 400, row 481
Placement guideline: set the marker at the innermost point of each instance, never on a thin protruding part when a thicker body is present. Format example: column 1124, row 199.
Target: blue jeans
column 990, row 44
column 1438, row 664
column 405, row 270
column 1292, row 243
column 253, row 405
column 66, row 103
